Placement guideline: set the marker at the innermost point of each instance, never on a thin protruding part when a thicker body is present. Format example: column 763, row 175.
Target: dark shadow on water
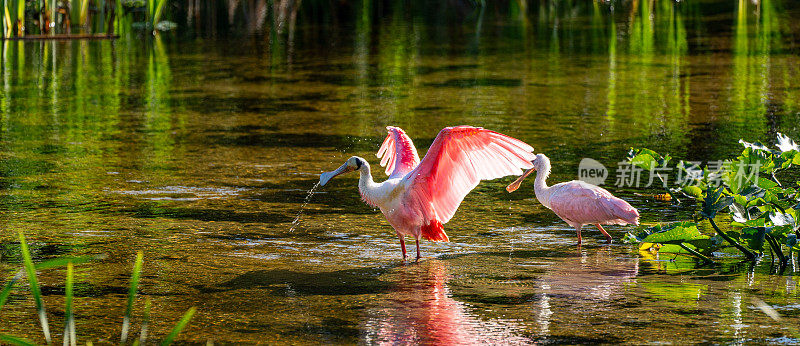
column 153, row 211
column 20, row 167
column 85, row 289
column 477, row 82
column 253, row 104
column 427, row 109
column 423, row 70
column 244, row 128
column 10, row 252
column 300, row 140
column 282, row 282
column 300, row 234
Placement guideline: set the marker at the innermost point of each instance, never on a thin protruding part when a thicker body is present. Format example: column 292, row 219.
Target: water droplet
column 305, row 203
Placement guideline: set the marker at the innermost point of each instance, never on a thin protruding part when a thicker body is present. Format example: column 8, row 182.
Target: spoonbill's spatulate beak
column 324, row 178
column 515, row 185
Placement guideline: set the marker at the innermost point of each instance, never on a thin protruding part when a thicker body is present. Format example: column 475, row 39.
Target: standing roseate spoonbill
column 578, row 203
column 420, row 196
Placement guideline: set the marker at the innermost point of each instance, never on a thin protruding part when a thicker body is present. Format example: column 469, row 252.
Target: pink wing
column 584, row 203
column 397, row 153
column 458, row 159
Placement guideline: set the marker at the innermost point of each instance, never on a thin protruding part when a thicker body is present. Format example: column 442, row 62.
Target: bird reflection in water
column 578, row 288
column 420, row 309
column 575, row 287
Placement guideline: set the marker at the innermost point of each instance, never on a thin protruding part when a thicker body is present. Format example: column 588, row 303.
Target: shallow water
column 202, row 154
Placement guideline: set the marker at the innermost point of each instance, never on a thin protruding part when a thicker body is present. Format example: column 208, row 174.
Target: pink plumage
column 420, row 196
column 397, row 153
column 579, row 203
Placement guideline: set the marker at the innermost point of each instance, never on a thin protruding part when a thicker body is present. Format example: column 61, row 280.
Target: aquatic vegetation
column 763, row 210
column 29, row 269
column 25, row 17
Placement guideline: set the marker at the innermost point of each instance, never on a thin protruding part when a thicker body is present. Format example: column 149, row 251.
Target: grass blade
column 13, row 340
column 7, row 288
column 145, row 322
column 179, row 327
column 137, row 271
column 69, row 325
column 37, row 293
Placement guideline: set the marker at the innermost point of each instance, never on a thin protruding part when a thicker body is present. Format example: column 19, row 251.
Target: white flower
column 786, row 144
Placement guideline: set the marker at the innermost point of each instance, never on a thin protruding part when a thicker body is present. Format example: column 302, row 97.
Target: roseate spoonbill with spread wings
column 420, row 196
column 578, row 203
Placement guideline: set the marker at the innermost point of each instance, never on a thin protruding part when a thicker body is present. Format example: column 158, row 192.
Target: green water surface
column 201, row 153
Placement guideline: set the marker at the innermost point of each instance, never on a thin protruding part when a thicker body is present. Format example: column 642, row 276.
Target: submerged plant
column 763, row 211
column 29, row 269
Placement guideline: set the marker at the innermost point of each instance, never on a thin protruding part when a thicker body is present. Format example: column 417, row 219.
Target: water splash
column 305, row 203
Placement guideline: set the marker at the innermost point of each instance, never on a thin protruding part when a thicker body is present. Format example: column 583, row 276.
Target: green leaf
column 754, row 237
column 693, row 191
column 714, row 202
column 675, row 234
column 766, row 184
column 791, row 240
column 646, row 159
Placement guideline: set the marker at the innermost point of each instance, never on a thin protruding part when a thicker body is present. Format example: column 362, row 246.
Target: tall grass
column 70, row 338
column 126, row 320
column 69, row 324
column 35, row 290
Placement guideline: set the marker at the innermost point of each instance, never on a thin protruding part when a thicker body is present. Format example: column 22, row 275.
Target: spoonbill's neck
column 540, row 184
column 367, row 187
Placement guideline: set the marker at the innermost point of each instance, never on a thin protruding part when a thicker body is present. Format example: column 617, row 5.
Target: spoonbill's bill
column 420, row 196
column 578, row 203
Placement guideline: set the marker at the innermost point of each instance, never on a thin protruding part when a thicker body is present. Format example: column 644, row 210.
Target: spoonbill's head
column 354, row 163
column 540, row 163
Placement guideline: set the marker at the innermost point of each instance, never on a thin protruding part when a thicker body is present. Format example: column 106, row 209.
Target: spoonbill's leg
column 402, row 245
column 578, row 229
column 418, row 256
column 608, row 237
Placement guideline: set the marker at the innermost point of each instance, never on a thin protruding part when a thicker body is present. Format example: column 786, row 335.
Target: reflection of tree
column 420, row 309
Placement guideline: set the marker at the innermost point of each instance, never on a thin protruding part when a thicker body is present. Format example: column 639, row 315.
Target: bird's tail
column 434, row 231
column 625, row 212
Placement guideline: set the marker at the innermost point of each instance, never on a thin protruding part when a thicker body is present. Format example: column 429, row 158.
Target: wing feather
column 459, row 158
column 397, row 153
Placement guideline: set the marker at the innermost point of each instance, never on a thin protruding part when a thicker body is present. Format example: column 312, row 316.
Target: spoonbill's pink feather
column 459, row 158
column 580, row 203
column 397, row 153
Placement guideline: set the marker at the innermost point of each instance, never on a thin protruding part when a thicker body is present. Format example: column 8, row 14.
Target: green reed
column 137, row 272
column 29, row 269
column 69, row 324
column 34, row 283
